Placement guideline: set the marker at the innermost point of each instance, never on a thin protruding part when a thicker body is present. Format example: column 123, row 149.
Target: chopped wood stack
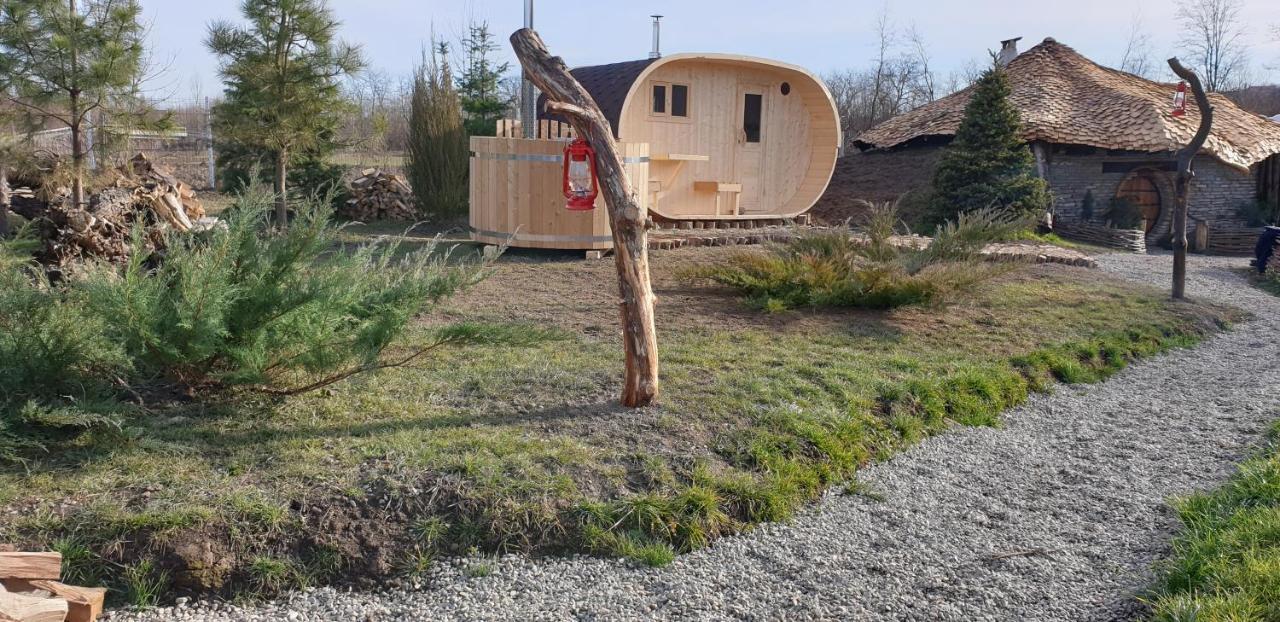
column 173, row 201
column 30, row 591
column 142, row 193
column 378, row 195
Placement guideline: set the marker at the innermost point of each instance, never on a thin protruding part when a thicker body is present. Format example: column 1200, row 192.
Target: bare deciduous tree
column 1213, row 37
column 1137, row 50
column 899, row 79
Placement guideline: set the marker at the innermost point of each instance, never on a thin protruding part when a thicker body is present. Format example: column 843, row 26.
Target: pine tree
column 282, row 74
column 478, row 86
column 76, row 62
column 987, row 164
column 438, row 161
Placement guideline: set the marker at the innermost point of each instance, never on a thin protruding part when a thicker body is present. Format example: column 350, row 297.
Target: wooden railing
column 547, row 129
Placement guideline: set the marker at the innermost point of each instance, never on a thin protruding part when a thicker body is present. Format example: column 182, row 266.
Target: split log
column 31, row 565
column 1182, row 185
column 627, row 218
column 377, row 195
column 24, row 608
column 84, row 604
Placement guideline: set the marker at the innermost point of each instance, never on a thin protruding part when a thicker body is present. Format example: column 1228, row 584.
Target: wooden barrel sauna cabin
column 705, row 136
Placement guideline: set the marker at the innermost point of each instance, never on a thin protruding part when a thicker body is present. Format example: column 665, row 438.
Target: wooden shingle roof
column 1066, row 98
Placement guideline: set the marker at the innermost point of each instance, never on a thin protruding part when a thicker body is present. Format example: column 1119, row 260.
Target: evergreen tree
column 479, row 84
column 438, row 159
column 76, row 62
column 987, row 164
column 282, row 75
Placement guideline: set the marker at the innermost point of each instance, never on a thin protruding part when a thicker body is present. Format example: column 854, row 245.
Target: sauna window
column 752, row 109
column 679, row 100
column 786, row 88
column 660, row 99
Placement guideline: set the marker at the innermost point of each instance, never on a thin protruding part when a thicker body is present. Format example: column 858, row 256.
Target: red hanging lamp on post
column 581, row 184
column 1180, row 100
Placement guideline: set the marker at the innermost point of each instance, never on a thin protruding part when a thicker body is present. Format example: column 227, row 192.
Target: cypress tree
column 438, row 160
column 987, row 164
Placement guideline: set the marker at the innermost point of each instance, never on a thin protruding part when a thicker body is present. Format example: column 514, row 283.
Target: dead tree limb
column 5, row 200
column 1183, row 183
column 627, row 218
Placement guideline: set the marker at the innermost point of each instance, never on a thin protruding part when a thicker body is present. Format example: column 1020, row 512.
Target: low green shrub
column 277, row 310
column 1124, row 214
column 57, row 365
column 839, row 268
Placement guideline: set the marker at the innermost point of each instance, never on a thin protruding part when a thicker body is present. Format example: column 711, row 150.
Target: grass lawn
column 1226, row 563
column 527, row 449
column 1267, row 283
column 385, row 160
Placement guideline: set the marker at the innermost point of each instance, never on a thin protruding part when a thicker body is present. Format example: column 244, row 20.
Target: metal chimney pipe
column 657, row 37
column 528, row 95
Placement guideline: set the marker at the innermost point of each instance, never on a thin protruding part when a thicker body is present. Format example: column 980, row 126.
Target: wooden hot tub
column 517, row 196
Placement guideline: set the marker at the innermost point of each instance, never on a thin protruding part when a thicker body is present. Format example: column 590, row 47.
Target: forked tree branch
column 628, row 218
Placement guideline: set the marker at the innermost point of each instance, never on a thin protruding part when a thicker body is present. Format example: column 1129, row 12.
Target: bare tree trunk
column 1182, row 186
column 77, row 139
column 77, row 161
column 281, row 188
column 628, row 220
column 5, row 200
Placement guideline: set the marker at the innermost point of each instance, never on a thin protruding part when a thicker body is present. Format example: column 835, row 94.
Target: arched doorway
column 1141, row 191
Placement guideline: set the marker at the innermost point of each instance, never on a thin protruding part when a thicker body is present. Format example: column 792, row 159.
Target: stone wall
column 1078, row 175
column 876, row 177
column 1075, row 174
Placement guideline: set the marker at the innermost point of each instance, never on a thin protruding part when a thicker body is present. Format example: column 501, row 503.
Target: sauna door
column 749, row 157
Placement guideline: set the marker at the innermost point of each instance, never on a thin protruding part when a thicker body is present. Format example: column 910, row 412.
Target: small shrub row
column 840, row 268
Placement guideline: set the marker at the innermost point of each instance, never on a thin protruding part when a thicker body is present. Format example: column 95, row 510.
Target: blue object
column 1266, row 246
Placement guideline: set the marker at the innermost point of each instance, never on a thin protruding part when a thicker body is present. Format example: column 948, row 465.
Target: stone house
column 1098, row 135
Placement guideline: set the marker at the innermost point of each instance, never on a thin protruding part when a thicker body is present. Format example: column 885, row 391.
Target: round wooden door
column 1141, row 191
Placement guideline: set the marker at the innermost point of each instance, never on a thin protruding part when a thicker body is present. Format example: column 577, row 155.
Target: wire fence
column 371, row 138
column 186, row 146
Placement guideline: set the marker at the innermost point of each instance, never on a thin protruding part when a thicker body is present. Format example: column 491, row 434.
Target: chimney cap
column 1008, row 42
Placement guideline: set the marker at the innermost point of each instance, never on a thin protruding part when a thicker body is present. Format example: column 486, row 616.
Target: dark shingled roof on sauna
column 1066, row 98
column 607, row 84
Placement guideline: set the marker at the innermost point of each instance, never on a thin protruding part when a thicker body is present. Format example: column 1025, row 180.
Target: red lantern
column 1180, row 100
column 580, row 180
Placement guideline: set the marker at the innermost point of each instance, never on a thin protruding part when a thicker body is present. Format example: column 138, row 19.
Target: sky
column 822, row 35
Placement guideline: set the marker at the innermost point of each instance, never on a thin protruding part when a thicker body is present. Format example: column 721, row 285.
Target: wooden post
column 628, row 219
column 1182, row 185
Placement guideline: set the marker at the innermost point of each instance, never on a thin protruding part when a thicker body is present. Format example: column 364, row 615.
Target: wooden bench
column 721, row 188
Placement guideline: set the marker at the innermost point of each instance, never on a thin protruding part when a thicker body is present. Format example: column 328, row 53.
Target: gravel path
column 1056, row 516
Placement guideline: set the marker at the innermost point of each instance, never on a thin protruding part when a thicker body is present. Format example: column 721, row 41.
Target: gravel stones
column 1058, row 515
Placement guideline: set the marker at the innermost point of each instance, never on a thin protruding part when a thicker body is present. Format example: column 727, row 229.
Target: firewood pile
column 141, row 193
column 30, row 591
column 378, row 195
